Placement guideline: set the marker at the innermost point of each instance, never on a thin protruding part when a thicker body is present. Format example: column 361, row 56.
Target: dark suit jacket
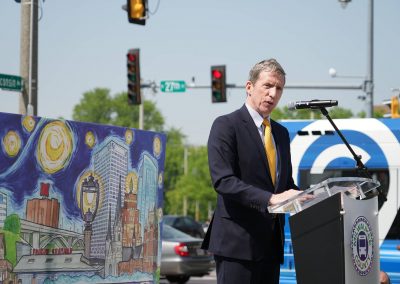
column 241, row 226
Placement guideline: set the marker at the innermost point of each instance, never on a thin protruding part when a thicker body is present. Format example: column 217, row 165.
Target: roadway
column 208, row 279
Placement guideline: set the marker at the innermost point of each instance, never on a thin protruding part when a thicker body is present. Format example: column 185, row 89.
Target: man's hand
column 280, row 197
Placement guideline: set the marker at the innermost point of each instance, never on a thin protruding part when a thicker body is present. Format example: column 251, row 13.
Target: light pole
column 28, row 101
column 369, row 79
column 333, row 74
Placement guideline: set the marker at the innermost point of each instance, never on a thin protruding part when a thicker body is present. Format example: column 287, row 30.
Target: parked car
column 185, row 224
column 182, row 257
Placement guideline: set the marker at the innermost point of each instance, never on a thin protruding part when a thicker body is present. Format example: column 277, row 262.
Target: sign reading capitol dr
column 10, row 82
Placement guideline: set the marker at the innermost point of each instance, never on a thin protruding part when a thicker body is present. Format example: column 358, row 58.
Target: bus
column 319, row 153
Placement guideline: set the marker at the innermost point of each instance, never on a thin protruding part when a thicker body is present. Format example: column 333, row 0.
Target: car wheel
column 178, row 278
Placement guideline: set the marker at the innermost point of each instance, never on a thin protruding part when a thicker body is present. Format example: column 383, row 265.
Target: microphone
column 313, row 104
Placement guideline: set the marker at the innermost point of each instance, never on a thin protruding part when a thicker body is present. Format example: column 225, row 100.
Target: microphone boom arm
column 360, row 165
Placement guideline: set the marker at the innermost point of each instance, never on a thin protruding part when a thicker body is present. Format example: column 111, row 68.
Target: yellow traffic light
column 394, row 107
column 137, row 11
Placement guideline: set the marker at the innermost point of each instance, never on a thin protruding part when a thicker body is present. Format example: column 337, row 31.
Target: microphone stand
column 361, row 168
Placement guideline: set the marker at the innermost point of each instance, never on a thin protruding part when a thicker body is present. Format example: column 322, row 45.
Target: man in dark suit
column 248, row 176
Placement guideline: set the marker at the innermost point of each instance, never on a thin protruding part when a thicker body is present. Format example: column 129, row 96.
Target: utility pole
column 368, row 87
column 29, row 56
column 185, row 160
column 369, row 83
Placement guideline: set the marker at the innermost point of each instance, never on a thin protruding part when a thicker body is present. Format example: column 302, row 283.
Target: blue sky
column 82, row 45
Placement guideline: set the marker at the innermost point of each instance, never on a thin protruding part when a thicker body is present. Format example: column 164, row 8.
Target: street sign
column 173, row 86
column 10, row 82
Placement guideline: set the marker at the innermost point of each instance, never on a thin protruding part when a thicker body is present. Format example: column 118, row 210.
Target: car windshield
column 170, row 233
column 168, row 220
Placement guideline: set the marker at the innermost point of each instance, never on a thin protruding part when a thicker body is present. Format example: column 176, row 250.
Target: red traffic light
column 133, row 74
column 216, row 74
column 131, row 57
column 218, row 84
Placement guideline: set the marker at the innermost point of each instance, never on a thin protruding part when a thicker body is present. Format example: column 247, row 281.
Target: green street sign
column 10, row 82
column 173, row 86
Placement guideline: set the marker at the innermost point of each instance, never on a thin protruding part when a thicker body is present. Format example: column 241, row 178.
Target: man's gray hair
column 269, row 65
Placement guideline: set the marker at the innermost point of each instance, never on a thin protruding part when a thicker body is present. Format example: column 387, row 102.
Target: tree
column 195, row 187
column 285, row 113
column 95, row 106
column 128, row 115
column 99, row 107
column 338, row 112
column 12, row 224
column 174, row 158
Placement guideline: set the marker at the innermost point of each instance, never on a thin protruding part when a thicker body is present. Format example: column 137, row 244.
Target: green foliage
column 128, row 115
column 173, row 158
column 95, row 106
column 338, row 112
column 99, row 106
column 11, row 240
column 379, row 113
column 362, row 114
column 12, row 224
column 285, row 113
column 194, row 187
column 157, row 275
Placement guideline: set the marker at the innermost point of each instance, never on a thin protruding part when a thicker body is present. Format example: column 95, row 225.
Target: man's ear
column 249, row 87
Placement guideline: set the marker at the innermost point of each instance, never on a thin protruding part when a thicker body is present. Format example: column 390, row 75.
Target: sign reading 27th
column 173, row 86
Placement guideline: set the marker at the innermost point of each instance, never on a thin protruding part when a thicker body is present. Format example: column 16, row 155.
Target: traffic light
column 393, row 104
column 137, row 11
column 133, row 64
column 394, row 107
column 218, row 84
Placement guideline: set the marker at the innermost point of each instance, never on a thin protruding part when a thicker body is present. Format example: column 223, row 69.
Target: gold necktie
column 270, row 149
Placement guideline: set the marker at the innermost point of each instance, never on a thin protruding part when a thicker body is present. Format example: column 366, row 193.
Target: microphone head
column 291, row 105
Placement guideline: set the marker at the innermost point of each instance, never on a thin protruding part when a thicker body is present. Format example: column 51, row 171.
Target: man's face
column 264, row 95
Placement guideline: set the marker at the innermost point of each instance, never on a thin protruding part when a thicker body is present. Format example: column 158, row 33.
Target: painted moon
column 90, row 139
column 129, row 136
column 157, row 146
column 54, row 147
column 29, row 123
column 12, row 143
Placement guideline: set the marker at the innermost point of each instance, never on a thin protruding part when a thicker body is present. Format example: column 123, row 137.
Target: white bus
column 319, row 153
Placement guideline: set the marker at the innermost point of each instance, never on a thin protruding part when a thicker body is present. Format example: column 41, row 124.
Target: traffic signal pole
column 294, row 86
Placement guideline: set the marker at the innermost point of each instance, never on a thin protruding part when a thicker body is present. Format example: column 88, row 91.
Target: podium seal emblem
column 362, row 246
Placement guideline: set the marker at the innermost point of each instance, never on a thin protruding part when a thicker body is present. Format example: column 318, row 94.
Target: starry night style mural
column 79, row 202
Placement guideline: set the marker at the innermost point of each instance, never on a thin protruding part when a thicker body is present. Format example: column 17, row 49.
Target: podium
column 335, row 235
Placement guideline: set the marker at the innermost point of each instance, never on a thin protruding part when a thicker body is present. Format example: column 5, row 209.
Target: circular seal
column 362, row 246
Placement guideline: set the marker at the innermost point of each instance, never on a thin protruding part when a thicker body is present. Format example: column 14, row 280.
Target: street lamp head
column 332, row 72
column 344, row 3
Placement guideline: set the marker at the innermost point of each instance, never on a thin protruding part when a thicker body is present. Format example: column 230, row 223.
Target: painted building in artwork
column 3, row 208
column 148, row 177
column 38, row 268
column 131, row 236
column 110, row 162
column 6, row 274
column 150, row 245
column 114, row 242
column 147, row 261
column 142, row 254
column 43, row 211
